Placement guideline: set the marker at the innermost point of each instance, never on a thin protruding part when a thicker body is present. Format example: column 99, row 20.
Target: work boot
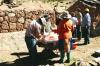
column 68, row 58
column 62, row 57
column 88, row 42
column 61, row 61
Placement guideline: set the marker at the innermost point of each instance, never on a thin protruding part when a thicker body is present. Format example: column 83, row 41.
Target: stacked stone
column 94, row 12
column 17, row 20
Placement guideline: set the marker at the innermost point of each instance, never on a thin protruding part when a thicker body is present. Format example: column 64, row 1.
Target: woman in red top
column 64, row 30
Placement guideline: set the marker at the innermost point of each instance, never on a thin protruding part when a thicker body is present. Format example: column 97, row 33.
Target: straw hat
column 87, row 9
column 66, row 14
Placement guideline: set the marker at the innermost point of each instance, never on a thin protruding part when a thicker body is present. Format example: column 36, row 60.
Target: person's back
column 46, row 25
column 86, row 20
column 75, row 21
column 65, row 29
column 79, row 16
column 33, row 29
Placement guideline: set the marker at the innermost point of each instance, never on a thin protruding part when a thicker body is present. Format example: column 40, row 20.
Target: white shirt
column 75, row 21
column 33, row 29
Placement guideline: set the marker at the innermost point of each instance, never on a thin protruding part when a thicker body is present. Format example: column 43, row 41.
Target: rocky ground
column 39, row 5
column 13, row 52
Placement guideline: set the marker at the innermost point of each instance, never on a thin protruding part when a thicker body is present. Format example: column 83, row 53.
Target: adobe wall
column 17, row 20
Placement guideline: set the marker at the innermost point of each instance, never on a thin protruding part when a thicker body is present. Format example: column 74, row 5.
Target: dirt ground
column 13, row 51
column 38, row 5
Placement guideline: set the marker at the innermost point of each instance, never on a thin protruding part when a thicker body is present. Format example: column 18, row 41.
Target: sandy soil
column 13, row 50
column 13, row 47
column 38, row 5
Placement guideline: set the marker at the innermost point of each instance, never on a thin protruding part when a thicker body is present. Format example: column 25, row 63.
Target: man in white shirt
column 32, row 35
column 75, row 21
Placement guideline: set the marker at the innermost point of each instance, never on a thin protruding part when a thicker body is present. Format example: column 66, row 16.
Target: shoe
column 67, row 61
column 60, row 61
column 85, row 43
column 88, row 42
column 68, row 58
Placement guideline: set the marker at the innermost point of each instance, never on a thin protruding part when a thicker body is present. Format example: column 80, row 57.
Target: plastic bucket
column 71, row 43
column 75, row 45
column 54, row 30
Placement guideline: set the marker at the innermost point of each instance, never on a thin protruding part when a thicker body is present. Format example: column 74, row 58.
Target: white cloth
column 75, row 21
column 43, row 20
column 36, row 24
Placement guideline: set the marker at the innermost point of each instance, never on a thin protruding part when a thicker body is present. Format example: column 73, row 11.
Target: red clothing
column 64, row 29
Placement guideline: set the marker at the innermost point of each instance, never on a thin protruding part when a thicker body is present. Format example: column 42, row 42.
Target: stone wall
column 17, row 20
column 94, row 12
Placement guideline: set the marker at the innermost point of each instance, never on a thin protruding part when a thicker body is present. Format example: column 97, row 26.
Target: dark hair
column 73, row 14
column 39, row 21
column 46, row 17
column 79, row 9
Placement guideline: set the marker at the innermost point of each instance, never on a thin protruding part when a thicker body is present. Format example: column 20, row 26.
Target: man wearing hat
column 33, row 34
column 86, row 23
column 64, row 30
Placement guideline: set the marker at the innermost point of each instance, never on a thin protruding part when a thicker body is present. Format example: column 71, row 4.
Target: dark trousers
column 86, row 34
column 61, row 44
column 8, row 1
column 79, row 32
column 31, row 46
column 74, row 33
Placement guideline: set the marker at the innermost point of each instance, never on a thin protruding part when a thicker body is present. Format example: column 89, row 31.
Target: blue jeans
column 79, row 32
column 31, row 46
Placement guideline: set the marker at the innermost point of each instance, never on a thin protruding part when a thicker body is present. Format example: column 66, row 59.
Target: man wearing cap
column 32, row 35
column 64, row 30
column 46, row 23
column 86, row 23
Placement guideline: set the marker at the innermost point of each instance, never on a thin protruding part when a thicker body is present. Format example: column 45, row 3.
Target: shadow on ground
column 95, row 55
column 43, row 58
column 81, row 44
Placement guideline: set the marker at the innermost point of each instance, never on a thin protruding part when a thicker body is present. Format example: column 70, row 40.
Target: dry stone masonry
column 17, row 20
column 94, row 12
